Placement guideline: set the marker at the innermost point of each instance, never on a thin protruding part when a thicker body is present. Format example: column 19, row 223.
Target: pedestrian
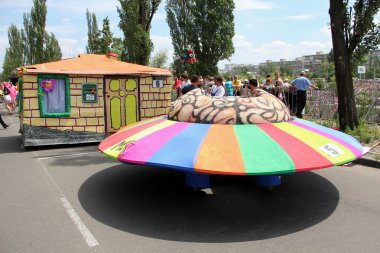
column 236, row 85
column 286, row 85
column 3, row 123
column 9, row 92
column 217, row 90
column 1, row 119
column 302, row 84
column 193, row 85
column 176, row 88
column 252, row 89
column 229, row 89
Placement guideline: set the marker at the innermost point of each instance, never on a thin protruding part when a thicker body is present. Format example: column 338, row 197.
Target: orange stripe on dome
column 220, row 152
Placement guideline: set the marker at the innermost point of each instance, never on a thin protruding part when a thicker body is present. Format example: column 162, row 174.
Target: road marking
column 90, row 239
column 87, row 236
column 71, row 155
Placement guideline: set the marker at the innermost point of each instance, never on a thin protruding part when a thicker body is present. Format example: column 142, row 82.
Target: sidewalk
column 371, row 159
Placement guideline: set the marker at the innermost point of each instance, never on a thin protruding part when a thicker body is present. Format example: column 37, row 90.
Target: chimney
column 113, row 53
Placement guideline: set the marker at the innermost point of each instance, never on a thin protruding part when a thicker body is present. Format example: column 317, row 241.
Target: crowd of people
column 8, row 93
column 293, row 94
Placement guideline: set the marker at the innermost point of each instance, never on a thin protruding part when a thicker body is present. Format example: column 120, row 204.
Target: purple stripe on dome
column 141, row 150
column 322, row 131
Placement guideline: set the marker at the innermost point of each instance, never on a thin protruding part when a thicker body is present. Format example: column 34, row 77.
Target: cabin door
column 121, row 96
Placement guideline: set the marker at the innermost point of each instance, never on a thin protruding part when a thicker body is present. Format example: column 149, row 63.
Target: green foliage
column 99, row 42
column 135, row 22
column 330, row 123
column 365, row 34
column 27, row 35
column 267, row 68
column 37, row 43
column 365, row 133
column 52, row 50
column 117, row 43
column 38, row 17
column 373, row 69
column 107, row 37
column 207, row 26
column 286, row 69
column 14, row 54
column 160, row 59
column 327, row 70
column 363, row 102
column 319, row 83
column 93, row 34
column 354, row 34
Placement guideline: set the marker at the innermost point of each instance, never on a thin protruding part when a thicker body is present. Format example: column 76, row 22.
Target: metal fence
column 323, row 104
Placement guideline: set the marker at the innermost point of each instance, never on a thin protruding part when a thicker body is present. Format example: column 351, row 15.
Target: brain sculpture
column 197, row 107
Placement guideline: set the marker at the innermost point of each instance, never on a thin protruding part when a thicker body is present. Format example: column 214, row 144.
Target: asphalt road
column 73, row 199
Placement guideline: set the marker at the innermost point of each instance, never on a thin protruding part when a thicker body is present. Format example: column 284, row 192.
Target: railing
column 323, row 104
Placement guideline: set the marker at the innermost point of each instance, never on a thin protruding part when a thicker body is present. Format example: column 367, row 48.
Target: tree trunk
column 343, row 67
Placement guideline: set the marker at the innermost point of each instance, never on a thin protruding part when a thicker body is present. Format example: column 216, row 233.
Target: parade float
column 86, row 98
column 202, row 135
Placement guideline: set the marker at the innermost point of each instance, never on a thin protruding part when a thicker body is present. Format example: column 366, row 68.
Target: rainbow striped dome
column 252, row 149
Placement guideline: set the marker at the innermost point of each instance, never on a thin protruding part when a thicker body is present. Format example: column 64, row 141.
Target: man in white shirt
column 217, row 89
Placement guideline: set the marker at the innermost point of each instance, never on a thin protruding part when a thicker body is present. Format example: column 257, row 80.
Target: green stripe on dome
column 260, row 160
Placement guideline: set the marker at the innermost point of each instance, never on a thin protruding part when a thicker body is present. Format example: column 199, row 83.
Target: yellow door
column 121, row 102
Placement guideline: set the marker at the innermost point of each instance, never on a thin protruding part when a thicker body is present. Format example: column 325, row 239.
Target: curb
column 368, row 162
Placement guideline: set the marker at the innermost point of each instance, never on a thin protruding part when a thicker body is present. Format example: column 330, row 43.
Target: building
column 84, row 99
column 312, row 63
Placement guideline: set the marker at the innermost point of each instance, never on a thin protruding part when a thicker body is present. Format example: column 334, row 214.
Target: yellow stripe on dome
column 115, row 150
column 330, row 149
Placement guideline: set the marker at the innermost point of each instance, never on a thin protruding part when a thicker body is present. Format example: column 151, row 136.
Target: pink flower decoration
column 48, row 85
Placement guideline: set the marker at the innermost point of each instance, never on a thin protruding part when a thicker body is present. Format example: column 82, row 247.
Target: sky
column 264, row 30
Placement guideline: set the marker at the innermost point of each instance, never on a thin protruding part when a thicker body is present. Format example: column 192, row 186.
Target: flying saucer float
column 231, row 135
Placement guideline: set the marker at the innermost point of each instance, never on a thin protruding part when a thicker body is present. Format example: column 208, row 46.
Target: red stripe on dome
column 304, row 157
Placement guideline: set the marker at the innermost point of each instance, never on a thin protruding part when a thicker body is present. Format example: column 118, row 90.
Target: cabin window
column 54, row 96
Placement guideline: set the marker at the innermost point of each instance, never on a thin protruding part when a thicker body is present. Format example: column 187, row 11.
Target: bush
column 365, row 133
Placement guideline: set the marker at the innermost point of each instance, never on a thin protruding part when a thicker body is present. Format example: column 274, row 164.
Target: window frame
column 44, row 114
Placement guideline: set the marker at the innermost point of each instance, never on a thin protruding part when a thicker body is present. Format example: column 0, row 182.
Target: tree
column 267, row 68
column 353, row 35
column 38, row 15
column 37, row 42
column 14, row 54
column 198, row 24
column 93, row 34
column 160, row 59
column 286, row 68
column 117, row 43
column 373, row 70
column 27, row 35
column 135, row 22
column 327, row 70
column 107, row 37
column 52, row 50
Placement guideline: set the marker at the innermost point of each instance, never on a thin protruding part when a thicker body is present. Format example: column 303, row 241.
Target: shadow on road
column 154, row 202
column 10, row 144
